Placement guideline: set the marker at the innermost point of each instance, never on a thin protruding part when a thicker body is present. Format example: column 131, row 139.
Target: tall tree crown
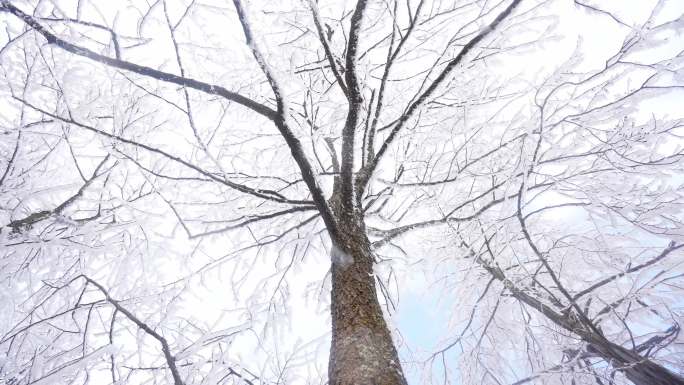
column 184, row 183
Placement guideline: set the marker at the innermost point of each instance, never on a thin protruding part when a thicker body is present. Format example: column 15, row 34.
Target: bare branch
column 141, row 70
column 423, row 98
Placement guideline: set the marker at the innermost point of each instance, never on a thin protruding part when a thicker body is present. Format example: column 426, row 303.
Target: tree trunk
column 362, row 351
column 639, row 370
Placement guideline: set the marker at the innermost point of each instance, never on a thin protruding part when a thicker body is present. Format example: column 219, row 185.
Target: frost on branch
column 173, row 173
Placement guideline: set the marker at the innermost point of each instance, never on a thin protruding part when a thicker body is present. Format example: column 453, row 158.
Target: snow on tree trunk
column 362, row 351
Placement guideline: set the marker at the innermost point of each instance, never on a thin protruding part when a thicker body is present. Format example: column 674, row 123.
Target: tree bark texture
column 362, row 351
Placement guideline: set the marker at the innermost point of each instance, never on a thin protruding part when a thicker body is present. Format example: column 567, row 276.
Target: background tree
column 540, row 187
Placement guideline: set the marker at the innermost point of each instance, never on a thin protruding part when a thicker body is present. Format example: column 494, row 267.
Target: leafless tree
column 543, row 188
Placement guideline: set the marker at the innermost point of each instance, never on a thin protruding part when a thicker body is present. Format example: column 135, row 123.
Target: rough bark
column 362, row 351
